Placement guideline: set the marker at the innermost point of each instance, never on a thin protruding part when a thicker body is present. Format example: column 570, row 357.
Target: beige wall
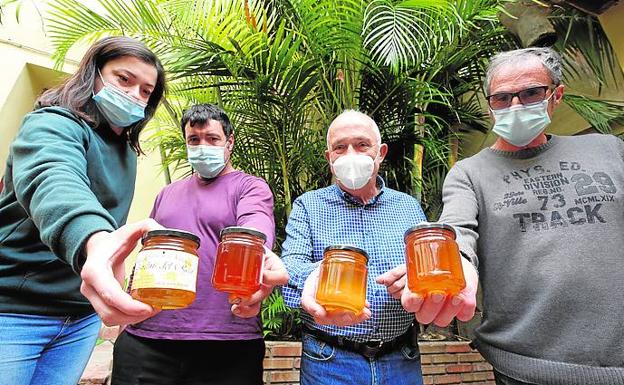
column 22, row 82
column 613, row 26
column 26, row 68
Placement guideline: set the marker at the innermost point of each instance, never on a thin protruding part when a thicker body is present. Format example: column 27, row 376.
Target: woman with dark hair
column 68, row 186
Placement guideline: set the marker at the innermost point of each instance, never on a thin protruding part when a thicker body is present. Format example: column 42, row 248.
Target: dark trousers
column 146, row 361
column 502, row 379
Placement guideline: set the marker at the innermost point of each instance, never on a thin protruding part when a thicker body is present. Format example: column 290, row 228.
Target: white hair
column 354, row 115
column 548, row 57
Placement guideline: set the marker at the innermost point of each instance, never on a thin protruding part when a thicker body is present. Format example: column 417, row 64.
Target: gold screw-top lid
column 348, row 248
column 245, row 230
column 171, row 233
column 429, row 225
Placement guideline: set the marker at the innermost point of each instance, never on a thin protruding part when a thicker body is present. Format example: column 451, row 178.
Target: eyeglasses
column 528, row 96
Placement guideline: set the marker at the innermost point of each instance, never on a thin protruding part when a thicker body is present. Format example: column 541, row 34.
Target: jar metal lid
column 171, row 233
column 428, row 226
column 245, row 230
column 347, row 248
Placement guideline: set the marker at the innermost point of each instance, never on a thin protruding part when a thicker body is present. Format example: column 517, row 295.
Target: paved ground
column 99, row 366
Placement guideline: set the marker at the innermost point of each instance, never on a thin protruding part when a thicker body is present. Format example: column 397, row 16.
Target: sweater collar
column 527, row 152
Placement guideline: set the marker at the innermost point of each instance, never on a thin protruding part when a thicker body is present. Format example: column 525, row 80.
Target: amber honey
column 433, row 260
column 239, row 261
column 342, row 279
column 165, row 273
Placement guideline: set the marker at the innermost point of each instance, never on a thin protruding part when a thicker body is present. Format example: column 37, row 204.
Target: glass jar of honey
column 239, row 261
column 433, row 260
column 342, row 279
column 165, row 273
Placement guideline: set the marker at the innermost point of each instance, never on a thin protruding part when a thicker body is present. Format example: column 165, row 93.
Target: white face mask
column 208, row 161
column 520, row 124
column 354, row 170
column 119, row 108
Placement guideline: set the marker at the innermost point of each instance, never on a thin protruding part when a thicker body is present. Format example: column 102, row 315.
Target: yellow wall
column 26, row 69
column 611, row 22
column 613, row 26
column 18, row 95
column 24, row 81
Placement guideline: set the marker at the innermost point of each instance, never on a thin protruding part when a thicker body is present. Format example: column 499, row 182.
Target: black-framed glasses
column 527, row 96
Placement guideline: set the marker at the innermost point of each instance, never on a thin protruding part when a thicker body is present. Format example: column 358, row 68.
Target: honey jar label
column 165, row 269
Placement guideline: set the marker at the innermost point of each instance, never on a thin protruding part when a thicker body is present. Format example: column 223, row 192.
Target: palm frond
column 601, row 114
column 586, row 49
column 69, row 23
column 398, row 36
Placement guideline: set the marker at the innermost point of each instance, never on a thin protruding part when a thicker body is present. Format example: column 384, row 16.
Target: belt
column 369, row 349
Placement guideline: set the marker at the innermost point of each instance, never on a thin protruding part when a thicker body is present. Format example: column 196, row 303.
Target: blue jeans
column 36, row 350
column 322, row 364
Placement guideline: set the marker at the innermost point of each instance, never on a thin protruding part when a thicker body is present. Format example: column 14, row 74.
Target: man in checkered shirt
column 379, row 345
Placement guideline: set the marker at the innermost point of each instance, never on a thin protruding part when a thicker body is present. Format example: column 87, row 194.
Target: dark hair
column 201, row 113
column 76, row 92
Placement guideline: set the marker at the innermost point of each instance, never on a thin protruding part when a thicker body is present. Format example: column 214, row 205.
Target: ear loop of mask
column 229, row 146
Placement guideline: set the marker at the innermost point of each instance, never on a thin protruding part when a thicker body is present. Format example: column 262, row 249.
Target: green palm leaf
column 585, row 47
column 391, row 31
column 70, row 22
column 601, row 114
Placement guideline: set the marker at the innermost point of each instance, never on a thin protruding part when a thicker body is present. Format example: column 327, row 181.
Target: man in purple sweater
column 211, row 341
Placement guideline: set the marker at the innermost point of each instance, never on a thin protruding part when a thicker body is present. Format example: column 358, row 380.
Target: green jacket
column 64, row 181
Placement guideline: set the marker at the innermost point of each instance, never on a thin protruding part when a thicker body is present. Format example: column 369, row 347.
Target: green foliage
column 18, row 7
column 278, row 320
column 602, row 113
column 587, row 53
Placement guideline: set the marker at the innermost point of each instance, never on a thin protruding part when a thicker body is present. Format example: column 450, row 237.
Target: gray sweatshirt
column 544, row 227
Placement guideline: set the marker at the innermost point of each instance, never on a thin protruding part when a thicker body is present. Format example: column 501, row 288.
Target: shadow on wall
column 20, row 99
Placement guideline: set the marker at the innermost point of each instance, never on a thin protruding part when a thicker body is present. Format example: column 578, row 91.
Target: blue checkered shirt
column 330, row 216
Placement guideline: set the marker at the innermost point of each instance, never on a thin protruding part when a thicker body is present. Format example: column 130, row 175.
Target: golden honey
column 433, row 260
column 342, row 279
column 165, row 272
column 239, row 262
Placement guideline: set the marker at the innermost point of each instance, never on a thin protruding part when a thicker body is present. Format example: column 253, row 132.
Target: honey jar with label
column 165, row 272
column 239, row 261
column 343, row 278
column 433, row 261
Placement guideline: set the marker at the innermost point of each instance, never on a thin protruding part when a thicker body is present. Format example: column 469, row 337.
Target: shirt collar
column 380, row 184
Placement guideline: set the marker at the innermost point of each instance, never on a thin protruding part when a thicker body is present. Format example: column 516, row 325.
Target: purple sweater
column 204, row 208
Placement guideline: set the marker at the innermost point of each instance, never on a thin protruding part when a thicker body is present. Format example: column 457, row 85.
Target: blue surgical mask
column 208, row 161
column 520, row 124
column 119, row 108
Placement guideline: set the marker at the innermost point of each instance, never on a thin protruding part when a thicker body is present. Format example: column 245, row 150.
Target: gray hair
column 549, row 58
column 356, row 115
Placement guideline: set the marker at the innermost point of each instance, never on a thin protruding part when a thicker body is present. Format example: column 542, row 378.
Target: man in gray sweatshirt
column 542, row 218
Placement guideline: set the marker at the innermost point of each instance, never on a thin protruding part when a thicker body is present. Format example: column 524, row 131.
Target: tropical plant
column 279, row 320
column 283, row 69
column 590, row 61
column 17, row 6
